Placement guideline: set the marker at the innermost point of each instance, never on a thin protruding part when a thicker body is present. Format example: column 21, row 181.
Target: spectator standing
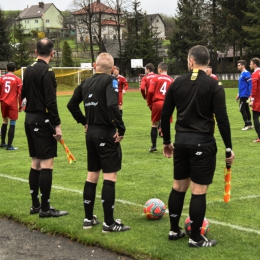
column 10, row 97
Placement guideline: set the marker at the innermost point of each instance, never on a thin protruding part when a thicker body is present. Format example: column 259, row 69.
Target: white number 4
column 163, row 88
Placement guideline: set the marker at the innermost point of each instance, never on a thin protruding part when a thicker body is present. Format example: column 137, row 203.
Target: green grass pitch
column 235, row 225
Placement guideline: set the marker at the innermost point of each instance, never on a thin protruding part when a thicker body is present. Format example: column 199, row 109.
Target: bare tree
column 121, row 7
column 89, row 16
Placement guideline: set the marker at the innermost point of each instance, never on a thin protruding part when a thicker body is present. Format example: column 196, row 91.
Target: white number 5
column 7, row 86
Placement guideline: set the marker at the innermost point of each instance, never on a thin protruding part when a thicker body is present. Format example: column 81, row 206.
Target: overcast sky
column 167, row 7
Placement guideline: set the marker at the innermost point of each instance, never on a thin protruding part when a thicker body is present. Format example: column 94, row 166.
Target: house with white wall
column 102, row 16
column 156, row 21
column 42, row 17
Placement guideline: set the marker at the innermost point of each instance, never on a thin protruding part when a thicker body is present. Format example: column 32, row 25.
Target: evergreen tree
column 214, row 30
column 142, row 40
column 188, row 31
column 67, row 55
column 4, row 39
column 20, row 50
column 252, row 28
column 234, row 13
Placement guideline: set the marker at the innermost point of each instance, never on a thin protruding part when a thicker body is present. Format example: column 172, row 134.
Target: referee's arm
column 74, row 108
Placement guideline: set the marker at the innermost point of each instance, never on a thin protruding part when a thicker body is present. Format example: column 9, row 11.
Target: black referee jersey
column 196, row 97
column 39, row 88
column 99, row 94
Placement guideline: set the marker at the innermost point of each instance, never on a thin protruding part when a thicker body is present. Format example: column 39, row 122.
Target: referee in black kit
column 39, row 89
column 196, row 97
column 104, row 132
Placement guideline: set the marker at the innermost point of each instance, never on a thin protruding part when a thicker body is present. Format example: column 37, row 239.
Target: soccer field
column 235, row 225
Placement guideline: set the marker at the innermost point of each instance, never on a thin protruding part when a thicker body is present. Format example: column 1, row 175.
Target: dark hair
column 163, row 66
column 242, row 62
column 11, row 67
column 45, row 47
column 256, row 61
column 150, row 67
column 200, row 54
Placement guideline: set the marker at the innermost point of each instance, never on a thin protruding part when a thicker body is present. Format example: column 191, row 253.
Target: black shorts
column 41, row 142
column 195, row 162
column 103, row 152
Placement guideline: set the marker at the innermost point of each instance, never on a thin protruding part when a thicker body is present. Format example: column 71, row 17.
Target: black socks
column 175, row 205
column 197, row 214
column 45, row 182
column 108, row 200
column 89, row 195
column 34, row 176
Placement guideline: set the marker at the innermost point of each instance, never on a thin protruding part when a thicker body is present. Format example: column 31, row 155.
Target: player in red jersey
column 10, row 97
column 209, row 73
column 145, row 82
column 155, row 98
column 255, row 97
column 122, row 88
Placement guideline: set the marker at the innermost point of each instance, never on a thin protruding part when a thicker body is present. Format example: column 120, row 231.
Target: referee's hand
column 168, row 150
column 58, row 134
column 118, row 138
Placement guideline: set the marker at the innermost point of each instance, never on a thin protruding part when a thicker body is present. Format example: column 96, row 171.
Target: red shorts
column 120, row 98
column 9, row 111
column 157, row 111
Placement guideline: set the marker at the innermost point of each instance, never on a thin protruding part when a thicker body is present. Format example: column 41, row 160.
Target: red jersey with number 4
column 10, row 89
column 158, row 87
column 256, row 90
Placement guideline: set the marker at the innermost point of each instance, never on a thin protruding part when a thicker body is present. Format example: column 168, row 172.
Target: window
column 36, row 21
column 47, row 21
column 114, row 37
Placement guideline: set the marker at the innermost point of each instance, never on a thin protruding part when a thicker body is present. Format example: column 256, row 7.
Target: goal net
column 67, row 77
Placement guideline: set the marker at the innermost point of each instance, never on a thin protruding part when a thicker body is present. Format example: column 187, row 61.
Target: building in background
column 43, row 18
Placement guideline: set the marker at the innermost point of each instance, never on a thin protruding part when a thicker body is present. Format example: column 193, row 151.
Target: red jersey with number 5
column 158, row 88
column 10, row 89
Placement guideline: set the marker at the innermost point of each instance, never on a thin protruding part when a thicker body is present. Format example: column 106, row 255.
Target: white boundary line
column 135, row 204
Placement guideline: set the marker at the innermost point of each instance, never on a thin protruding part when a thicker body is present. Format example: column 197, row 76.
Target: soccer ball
column 204, row 229
column 154, row 209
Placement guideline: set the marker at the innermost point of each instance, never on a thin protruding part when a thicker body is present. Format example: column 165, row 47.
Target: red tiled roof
column 108, row 22
column 96, row 7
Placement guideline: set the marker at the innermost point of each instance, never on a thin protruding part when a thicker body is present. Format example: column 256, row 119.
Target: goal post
column 66, row 76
